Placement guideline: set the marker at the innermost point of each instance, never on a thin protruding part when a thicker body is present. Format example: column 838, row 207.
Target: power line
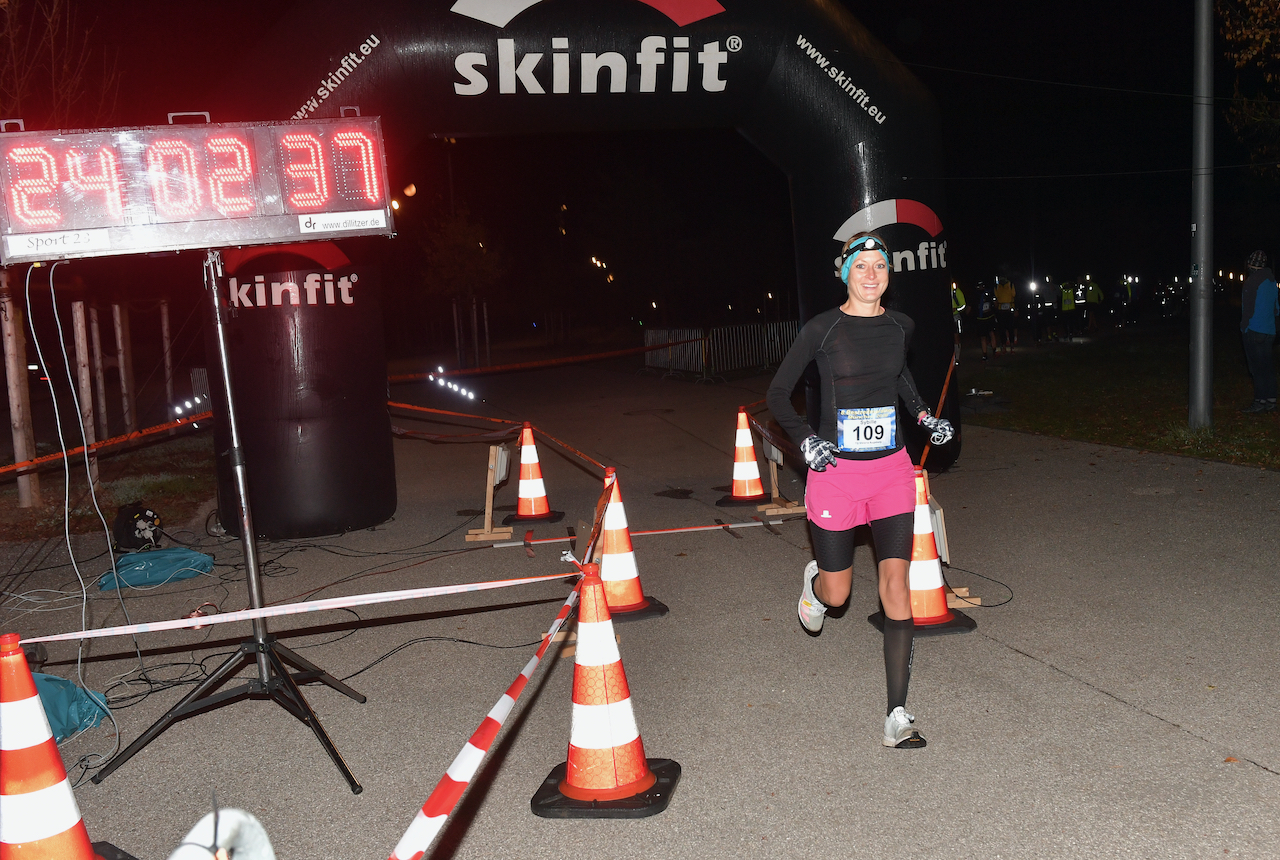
column 1104, row 174
column 1079, row 86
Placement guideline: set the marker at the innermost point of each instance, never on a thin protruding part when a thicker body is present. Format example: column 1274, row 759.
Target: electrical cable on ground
column 66, row 510
column 1007, row 600
column 420, row 639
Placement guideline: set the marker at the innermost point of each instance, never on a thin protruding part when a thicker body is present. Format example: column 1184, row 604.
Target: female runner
column 859, row 471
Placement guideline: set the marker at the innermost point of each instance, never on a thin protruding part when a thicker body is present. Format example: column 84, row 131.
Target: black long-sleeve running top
column 862, row 363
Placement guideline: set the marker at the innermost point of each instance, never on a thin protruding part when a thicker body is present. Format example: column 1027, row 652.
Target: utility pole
column 1200, row 406
column 15, row 365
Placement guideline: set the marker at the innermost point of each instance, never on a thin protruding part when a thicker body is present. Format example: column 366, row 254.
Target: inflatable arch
column 800, row 79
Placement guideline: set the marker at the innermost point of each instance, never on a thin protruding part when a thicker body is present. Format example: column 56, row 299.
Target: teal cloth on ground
column 69, row 708
column 156, row 567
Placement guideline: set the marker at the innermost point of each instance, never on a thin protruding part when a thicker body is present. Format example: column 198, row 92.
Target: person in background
column 986, row 319
column 1258, row 308
column 1067, row 311
column 1006, row 315
column 957, row 308
column 1093, row 307
column 1119, row 304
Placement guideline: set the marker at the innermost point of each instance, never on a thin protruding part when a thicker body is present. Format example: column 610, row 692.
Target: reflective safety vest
column 1068, row 298
column 957, row 300
column 1005, row 296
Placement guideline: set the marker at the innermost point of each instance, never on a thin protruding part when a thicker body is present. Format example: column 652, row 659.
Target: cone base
column 107, row 851
column 650, row 607
column 548, row 517
column 548, row 802
column 961, row 623
column 735, row 501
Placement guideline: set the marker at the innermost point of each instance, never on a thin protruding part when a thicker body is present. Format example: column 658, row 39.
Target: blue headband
column 867, row 243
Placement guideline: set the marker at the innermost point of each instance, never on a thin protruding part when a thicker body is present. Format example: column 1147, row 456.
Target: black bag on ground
column 136, row 527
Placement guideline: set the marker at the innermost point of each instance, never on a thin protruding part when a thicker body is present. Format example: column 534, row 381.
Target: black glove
column 941, row 429
column 818, row 453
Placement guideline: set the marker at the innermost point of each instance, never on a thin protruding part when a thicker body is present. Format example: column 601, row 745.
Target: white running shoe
column 811, row 609
column 899, row 731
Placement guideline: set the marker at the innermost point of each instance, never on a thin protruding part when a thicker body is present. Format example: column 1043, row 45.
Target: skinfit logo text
column 522, row 70
column 316, row 289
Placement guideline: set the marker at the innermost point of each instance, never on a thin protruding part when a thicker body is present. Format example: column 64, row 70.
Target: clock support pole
column 274, row 680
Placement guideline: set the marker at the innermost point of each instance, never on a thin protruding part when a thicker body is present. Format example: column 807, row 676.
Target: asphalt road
column 1119, row 703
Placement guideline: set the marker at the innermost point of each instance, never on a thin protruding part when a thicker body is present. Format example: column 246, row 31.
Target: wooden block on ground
column 959, row 601
column 496, row 534
column 780, row 505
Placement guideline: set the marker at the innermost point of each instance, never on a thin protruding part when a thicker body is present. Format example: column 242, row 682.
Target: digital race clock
column 166, row 188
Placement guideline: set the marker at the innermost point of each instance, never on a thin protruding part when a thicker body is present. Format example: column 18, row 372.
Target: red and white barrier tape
column 642, row 533
column 28, row 465
column 533, row 365
column 430, row 819
column 299, row 608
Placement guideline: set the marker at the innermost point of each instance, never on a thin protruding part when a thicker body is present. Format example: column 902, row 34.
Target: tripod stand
column 274, row 680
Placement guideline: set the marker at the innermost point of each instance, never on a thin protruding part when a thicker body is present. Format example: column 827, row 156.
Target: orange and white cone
column 532, row 503
column 928, row 592
column 606, row 756
column 39, row 819
column 618, row 569
column 606, row 774
column 747, row 486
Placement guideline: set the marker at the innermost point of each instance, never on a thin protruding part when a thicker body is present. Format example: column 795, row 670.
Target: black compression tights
column 834, row 549
column 899, row 645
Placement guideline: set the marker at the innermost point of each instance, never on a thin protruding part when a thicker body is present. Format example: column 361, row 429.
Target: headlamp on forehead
column 863, row 243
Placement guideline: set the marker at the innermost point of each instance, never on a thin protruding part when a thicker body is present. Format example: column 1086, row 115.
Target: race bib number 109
column 866, row 430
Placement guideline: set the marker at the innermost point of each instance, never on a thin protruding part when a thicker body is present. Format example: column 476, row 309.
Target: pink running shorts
column 854, row 492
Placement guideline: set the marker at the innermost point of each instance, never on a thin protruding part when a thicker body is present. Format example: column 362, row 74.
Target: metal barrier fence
column 721, row 349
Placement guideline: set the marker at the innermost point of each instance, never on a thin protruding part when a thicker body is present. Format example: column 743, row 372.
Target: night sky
column 1113, row 147
column 1066, row 145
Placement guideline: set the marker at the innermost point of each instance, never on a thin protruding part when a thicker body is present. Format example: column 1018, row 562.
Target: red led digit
column 104, row 180
column 363, row 146
column 24, row 192
column 177, row 194
column 232, row 170
column 310, row 170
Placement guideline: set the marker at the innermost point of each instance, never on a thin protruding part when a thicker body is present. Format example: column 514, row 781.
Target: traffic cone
column 606, row 774
column 39, row 819
column 618, row 569
column 747, row 487
column 532, row 503
column 928, row 592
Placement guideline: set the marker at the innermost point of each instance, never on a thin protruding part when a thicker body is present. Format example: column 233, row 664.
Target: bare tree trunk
column 124, row 357
column 167, row 344
column 15, row 363
column 457, row 333
column 475, row 332
column 85, row 386
column 99, row 373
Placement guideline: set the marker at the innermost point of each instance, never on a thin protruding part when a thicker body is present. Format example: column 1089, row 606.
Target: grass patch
column 174, row 476
column 1128, row 388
